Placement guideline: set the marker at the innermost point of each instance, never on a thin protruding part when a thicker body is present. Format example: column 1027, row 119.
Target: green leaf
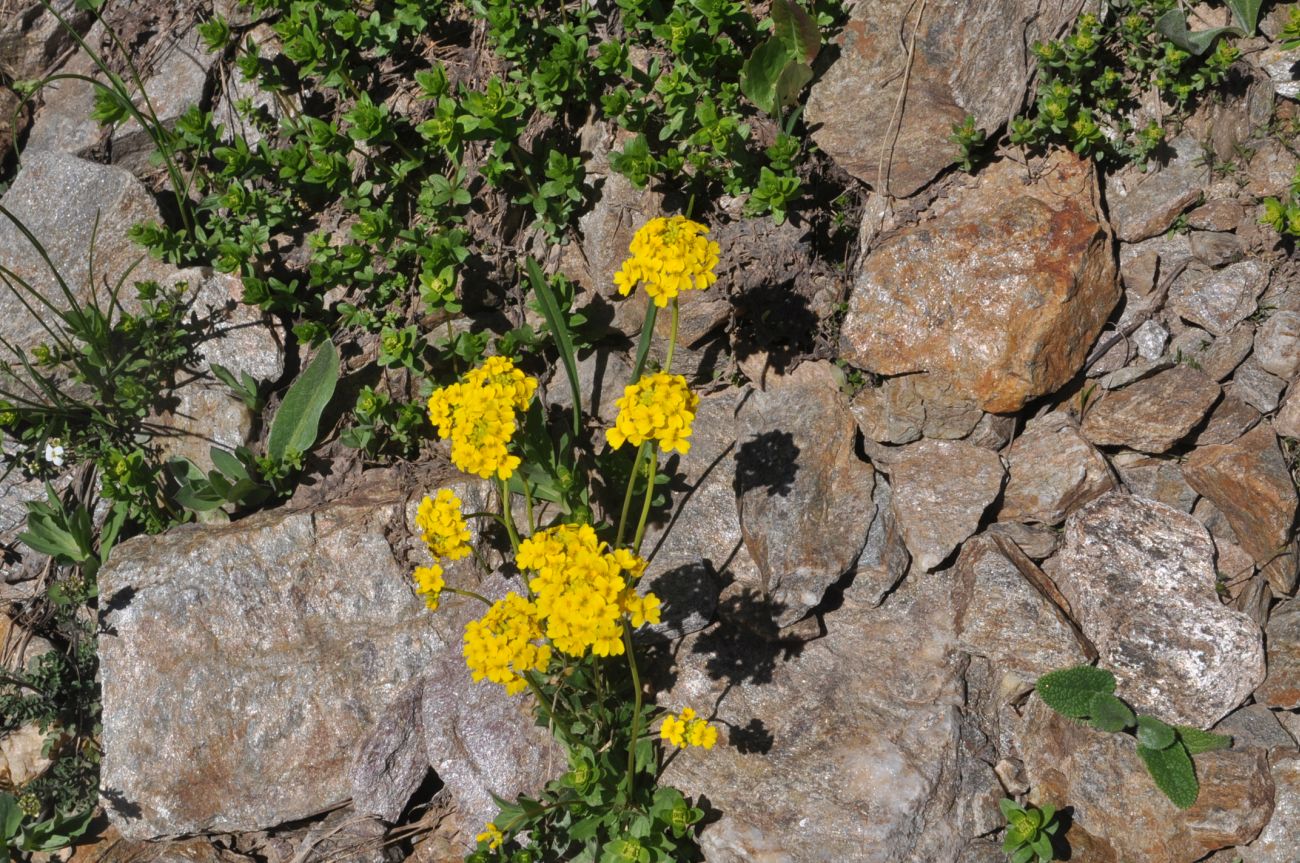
column 1007, row 805
column 1247, row 14
column 1173, row 26
column 1154, row 734
column 1198, row 741
column 1042, row 846
column 1108, row 713
column 647, row 336
column 799, row 31
column 1023, row 855
column 297, row 421
column 1070, row 691
column 10, row 817
column 794, row 77
column 226, row 462
column 759, row 75
column 1173, row 773
column 550, row 309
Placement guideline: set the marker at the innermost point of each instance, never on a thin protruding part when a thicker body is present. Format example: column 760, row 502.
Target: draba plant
column 1087, row 694
column 1030, row 830
column 567, row 633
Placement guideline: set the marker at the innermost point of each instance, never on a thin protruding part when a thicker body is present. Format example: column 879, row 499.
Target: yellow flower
column 429, row 584
column 688, row 730
column 442, row 527
column 669, row 255
column 582, row 590
column 479, row 415
column 492, row 836
column 501, row 645
column 659, row 407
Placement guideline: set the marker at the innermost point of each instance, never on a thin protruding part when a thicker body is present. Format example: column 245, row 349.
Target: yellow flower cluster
column 492, row 836
column 582, row 590
column 442, row 527
column 479, row 414
column 502, row 645
column 659, row 407
column 688, row 730
column 669, row 255
column 429, row 584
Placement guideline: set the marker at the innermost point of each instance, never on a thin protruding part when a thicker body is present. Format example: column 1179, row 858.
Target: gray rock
column 1139, row 577
column 941, row 490
column 864, row 720
column 998, row 296
column 1052, row 471
column 1249, row 482
column 177, row 78
column 1279, row 64
column 993, row 431
column 970, row 58
column 390, row 762
column 1225, row 354
column 32, row 39
column 1150, row 339
column 63, row 123
column 1147, row 204
column 1135, row 371
column 1222, row 299
column 1157, row 479
column 803, row 495
column 1216, row 248
column 1281, row 688
column 1153, row 414
column 700, row 546
column 1003, row 614
column 1287, row 421
column 300, row 629
column 1117, row 813
column 1255, row 725
column 58, row 197
column 1276, row 843
column 883, row 562
column 1256, row 387
column 904, row 408
column 1277, row 344
column 602, row 375
column 1220, row 214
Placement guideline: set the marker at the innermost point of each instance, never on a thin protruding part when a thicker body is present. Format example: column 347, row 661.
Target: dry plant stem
column 506, row 517
column 627, row 495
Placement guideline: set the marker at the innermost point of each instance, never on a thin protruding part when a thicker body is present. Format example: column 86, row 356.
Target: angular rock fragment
column 803, row 495
column 1155, row 199
column 998, row 297
column 941, row 490
column 1118, row 815
column 1256, row 387
column 1222, row 299
column 1248, row 480
column 1276, row 843
column 1052, row 471
column 1277, row 344
column 1152, row 414
column 1140, row 580
column 1281, row 688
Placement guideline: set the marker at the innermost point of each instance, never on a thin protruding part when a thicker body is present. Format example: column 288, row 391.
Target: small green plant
column 243, row 479
column 1093, row 80
column 970, row 139
column 1087, row 694
column 1030, row 831
column 23, row 831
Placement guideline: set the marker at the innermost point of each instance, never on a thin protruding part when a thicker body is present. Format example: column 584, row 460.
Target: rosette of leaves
column 1087, row 694
column 1029, row 831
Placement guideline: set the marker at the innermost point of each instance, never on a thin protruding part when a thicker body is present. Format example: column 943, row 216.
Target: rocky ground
column 1044, row 415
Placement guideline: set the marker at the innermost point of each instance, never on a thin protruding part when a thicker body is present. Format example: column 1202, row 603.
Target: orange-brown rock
column 1249, row 482
column 1000, row 294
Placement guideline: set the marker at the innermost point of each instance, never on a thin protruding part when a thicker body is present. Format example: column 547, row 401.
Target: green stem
column 645, row 505
column 460, row 591
column 672, row 340
column 627, row 495
column 528, row 505
column 636, row 708
column 479, row 557
column 506, row 517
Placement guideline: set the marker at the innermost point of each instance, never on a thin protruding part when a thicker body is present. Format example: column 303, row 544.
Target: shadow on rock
column 767, row 461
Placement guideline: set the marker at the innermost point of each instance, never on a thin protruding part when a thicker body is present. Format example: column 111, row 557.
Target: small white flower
column 54, row 453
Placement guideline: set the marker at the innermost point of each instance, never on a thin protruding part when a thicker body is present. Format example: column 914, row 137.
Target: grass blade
column 563, row 339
